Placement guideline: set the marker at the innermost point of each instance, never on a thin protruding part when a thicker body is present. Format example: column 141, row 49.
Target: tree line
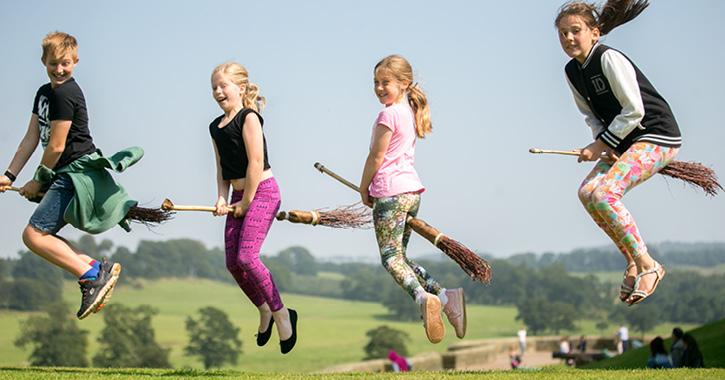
column 547, row 281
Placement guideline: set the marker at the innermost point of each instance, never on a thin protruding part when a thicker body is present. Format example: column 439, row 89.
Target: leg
column 639, row 163
column 586, row 195
column 392, row 233
column 389, row 216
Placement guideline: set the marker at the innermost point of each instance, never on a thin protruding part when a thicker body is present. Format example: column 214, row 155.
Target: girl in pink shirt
column 390, row 185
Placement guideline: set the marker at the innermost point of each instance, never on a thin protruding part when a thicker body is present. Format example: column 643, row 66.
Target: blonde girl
column 390, row 185
column 242, row 162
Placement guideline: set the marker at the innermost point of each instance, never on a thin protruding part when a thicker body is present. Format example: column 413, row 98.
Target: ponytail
column 605, row 18
column 419, row 103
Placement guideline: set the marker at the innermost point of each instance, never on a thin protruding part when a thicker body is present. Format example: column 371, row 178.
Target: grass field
column 545, row 374
column 330, row 331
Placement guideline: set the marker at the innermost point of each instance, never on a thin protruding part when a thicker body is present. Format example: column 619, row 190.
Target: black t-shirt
column 64, row 102
column 230, row 145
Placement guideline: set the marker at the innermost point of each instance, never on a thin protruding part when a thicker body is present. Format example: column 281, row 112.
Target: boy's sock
column 92, row 273
column 95, row 264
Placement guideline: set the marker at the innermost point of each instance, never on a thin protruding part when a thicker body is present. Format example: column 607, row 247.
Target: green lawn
column 330, row 331
column 545, row 374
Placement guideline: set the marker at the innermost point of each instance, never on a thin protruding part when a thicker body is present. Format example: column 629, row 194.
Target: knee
column 31, row 235
column 585, row 195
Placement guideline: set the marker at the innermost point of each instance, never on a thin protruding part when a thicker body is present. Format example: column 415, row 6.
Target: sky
column 492, row 71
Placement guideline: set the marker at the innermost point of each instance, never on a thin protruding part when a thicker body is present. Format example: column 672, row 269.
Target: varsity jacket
column 619, row 103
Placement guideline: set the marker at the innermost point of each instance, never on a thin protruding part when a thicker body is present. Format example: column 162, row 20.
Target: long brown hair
column 401, row 71
column 239, row 76
column 605, row 17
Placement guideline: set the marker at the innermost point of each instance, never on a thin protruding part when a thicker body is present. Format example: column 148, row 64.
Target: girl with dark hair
column 659, row 357
column 631, row 123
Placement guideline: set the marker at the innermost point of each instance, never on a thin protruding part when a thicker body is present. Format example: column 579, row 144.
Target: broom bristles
column 695, row 174
column 149, row 216
column 352, row 216
column 476, row 267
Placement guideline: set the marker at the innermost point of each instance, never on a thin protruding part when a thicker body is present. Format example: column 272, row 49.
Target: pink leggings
column 243, row 239
column 601, row 191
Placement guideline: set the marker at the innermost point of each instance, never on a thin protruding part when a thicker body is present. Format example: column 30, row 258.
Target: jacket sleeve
column 622, row 79
column 596, row 126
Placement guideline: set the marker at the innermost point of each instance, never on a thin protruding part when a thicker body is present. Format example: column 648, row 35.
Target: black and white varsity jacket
column 619, row 104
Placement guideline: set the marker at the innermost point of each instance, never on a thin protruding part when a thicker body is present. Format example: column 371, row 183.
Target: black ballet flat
column 263, row 337
column 287, row 345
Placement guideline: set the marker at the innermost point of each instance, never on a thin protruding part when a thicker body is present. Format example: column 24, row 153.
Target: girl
column 390, row 185
column 241, row 160
column 632, row 125
column 659, row 358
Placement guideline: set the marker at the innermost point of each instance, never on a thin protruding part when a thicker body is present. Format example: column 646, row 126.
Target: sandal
column 626, row 289
column 659, row 271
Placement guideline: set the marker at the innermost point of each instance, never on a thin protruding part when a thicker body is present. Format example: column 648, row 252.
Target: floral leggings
column 393, row 234
column 601, row 191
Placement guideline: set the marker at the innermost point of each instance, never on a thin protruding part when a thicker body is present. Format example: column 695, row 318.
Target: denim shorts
column 48, row 216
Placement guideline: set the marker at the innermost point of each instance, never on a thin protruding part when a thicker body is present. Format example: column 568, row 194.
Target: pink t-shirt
column 397, row 175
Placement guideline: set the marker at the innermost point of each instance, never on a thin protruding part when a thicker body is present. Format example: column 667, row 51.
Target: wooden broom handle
column 564, row 152
column 18, row 190
column 327, row 171
column 168, row 205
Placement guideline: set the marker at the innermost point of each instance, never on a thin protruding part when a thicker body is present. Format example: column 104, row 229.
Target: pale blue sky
column 493, row 72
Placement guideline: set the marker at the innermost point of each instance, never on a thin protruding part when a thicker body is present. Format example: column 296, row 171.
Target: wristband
column 43, row 174
column 10, row 175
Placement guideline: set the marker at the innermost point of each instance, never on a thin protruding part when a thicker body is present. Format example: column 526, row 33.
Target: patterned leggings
column 393, row 234
column 243, row 239
column 601, row 191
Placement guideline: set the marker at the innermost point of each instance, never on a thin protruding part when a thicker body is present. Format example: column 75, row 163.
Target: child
column 60, row 122
column 242, row 162
column 390, row 185
column 658, row 355
column 631, row 123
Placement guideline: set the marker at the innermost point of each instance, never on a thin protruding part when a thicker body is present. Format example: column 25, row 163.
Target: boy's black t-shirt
column 64, row 102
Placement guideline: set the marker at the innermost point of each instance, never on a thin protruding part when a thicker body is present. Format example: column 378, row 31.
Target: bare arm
column 222, row 186
column 375, row 158
column 254, row 144
column 25, row 151
column 56, row 145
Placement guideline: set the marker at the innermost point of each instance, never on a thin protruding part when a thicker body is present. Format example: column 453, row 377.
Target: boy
column 60, row 122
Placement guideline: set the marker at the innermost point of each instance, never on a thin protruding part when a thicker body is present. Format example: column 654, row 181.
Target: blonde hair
column 58, row 44
column 239, row 76
column 605, row 17
column 400, row 70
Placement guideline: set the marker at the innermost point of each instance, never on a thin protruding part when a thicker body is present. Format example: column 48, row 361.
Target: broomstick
column 476, row 267
column 341, row 217
column 694, row 174
column 143, row 215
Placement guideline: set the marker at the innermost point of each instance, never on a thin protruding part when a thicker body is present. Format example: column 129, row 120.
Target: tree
column 383, row 339
column 213, row 338
column 34, row 267
column 299, row 260
column 400, row 303
column 540, row 315
column 56, row 339
column 363, row 285
column 26, row 294
column 128, row 340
